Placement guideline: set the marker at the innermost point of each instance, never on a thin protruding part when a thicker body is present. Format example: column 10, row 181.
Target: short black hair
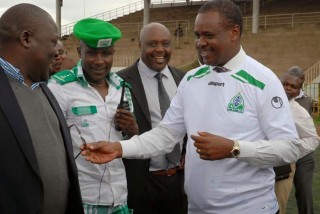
column 228, row 11
column 296, row 71
column 21, row 17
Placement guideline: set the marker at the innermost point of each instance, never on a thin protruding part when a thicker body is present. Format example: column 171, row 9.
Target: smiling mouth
column 98, row 70
column 204, row 53
column 159, row 59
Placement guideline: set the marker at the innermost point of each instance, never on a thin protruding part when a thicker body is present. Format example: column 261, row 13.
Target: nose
column 159, row 48
column 99, row 59
column 201, row 41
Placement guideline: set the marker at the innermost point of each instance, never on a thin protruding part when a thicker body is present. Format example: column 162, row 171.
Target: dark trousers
column 166, row 194
column 303, row 184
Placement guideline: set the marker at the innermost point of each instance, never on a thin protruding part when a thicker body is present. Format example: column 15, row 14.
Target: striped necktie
column 219, row 69
column 164, row 101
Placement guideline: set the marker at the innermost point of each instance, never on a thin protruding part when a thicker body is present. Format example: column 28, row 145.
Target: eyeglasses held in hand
column 84, row 143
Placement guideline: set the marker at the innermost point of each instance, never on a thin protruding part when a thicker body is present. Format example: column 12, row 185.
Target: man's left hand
column 212, row 147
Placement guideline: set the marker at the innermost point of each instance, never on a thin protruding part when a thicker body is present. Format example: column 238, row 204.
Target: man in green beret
column 89, row 95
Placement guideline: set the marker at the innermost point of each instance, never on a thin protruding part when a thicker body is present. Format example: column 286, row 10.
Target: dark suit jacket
column 137, row 170
column 21, row 189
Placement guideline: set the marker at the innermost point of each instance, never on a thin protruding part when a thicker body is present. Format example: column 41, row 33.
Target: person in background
column 154, row 186
column 178, row 33
column 305, row 166
column 292, row 83
column 234, row 111
column 61, row 50
column 88, row 96
column 38, row 173
column 67, row 62
column 60, row 60
column 301, row 98
column 55, row 65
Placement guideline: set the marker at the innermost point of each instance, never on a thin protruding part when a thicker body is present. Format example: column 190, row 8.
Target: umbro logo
column 216, row 83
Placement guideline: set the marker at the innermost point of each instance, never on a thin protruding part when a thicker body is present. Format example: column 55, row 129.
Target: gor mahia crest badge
column 236, row 104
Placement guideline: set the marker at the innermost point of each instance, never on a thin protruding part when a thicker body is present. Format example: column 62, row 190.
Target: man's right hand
column 101, row 152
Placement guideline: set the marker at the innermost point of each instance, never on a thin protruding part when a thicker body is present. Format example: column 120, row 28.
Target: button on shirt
column 93, row 127
column 150, row 85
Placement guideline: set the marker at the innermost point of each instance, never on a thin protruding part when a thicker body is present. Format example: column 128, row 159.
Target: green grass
column 316, row 121
column 292, row 207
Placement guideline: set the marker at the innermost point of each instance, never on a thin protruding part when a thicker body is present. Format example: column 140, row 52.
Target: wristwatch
column 235, row 152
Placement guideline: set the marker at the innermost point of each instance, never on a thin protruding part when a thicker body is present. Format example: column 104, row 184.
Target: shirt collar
column 236, row 61
column 15, row 73
column 301, row 94
column 146, row 71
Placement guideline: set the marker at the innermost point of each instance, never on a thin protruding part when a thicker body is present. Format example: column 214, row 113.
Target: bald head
column 151, row 27
column 155, row 46
column 19, row 18
column 28, row 36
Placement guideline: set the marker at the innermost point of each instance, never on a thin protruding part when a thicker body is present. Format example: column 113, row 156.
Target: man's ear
column 25, row 38
column 235, row 33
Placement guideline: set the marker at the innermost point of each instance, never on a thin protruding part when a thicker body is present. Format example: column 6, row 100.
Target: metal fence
column 284, row 20
column 127, row 9
column 312, row 90
column 133, row 28
column 312, row 73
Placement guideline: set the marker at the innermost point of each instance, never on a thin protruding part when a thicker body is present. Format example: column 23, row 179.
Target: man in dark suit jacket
column 37, row 171
column 153, row 187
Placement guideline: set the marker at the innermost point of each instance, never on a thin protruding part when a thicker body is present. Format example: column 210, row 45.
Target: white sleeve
column 279, row 152
column 281, row 145
column 267, row 153
column 275, row 114
column 158, row 141
column 161, row 139
column 305, row 127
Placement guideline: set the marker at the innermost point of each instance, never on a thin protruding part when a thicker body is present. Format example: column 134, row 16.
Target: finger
column 91, row 159
column 124, row 112
column 199, row 141
column 205, row 134
column 204, row 157
column 95, row 146
column 85, row 152
column 194, row 137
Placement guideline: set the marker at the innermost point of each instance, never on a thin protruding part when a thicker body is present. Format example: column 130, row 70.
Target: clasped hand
column 212, row 147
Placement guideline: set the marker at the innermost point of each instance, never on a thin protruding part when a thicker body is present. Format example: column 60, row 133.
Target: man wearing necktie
column 154, row 185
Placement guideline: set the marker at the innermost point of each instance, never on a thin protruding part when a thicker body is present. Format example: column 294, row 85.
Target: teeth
column 204, row 53
column 159, row 59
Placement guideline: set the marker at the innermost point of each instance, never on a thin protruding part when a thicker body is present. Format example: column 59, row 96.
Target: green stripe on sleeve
column 250, row 79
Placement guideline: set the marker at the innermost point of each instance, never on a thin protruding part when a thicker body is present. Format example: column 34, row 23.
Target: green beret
column 96, row 33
